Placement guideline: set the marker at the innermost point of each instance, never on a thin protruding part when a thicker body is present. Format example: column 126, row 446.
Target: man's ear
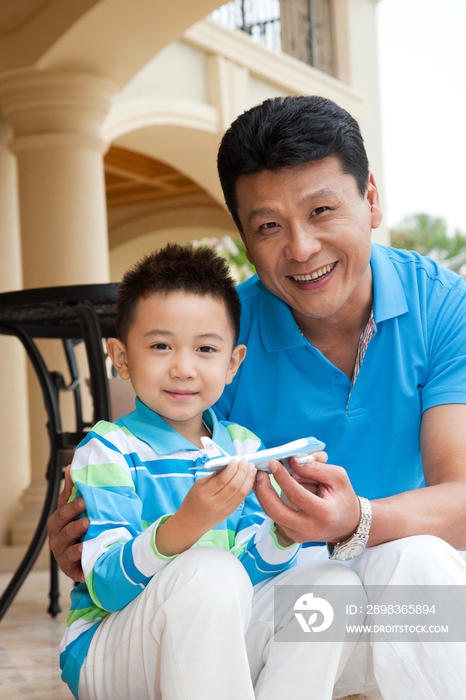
column 372, row 194
column 116, row 350
column 248, row 253
column 237, row 356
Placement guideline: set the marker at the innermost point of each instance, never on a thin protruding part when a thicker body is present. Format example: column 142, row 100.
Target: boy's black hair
column 196, row 270
column 286, row 131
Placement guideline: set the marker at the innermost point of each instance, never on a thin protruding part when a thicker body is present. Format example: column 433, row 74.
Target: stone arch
column 181, row 133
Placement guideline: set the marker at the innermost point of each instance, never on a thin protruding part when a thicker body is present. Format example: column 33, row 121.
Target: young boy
column 160, row 614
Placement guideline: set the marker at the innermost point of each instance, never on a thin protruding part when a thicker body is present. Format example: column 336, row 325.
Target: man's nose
column 301, row 243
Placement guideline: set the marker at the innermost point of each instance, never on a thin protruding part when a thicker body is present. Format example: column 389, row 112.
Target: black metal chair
column 75, row 314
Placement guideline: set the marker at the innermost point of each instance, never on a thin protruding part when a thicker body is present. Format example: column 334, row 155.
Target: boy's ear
column 237, row 356
column 117, row 353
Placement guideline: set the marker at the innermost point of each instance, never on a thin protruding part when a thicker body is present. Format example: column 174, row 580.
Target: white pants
column 401, row 670
column 186, row 637
column 183, row 638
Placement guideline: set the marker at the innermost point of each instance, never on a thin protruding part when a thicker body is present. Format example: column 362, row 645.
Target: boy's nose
column 182, row 368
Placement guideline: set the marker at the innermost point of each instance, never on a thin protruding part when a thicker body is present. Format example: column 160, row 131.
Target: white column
column 14, row 432
column 56, row 119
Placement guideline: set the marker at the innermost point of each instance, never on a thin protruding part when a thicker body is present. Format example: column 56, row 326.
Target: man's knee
column 410, row 560
column 420, row 549
column 321, row 572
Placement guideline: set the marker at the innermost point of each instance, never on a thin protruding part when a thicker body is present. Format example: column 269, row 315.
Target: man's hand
column 308, row 483
column 208, row 502
column 328, row 511
column 65, row 531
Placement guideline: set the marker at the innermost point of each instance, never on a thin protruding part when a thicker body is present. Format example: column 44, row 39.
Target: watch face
column 350, row 550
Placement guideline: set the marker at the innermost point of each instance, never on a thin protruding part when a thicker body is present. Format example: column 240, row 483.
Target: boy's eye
column 160, row 346
column 206, row 348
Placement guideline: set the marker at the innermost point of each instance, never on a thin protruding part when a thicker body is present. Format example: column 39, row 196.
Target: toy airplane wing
column 261, row 459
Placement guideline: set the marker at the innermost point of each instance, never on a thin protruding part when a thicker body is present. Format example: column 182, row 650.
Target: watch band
column 355, row 545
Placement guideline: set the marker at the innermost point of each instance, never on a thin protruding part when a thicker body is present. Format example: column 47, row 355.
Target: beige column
column 228, row 85
column 364, row 77
column 56, row 118
column 14, row 431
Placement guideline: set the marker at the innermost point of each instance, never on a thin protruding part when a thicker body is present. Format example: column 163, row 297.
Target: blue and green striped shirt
column 133, row 474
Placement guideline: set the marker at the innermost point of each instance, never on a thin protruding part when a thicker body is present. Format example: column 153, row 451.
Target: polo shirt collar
column 155, row 431
column 389, row 295
column 279, row 330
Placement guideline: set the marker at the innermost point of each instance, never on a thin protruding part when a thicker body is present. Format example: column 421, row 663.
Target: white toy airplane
column 216, row 458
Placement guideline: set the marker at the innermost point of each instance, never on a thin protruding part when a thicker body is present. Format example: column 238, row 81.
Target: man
column 362, row 347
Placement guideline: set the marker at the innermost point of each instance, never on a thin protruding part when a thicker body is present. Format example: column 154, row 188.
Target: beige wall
column 130, row 252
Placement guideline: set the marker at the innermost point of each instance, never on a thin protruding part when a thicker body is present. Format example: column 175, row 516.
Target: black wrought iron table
column 74, row 314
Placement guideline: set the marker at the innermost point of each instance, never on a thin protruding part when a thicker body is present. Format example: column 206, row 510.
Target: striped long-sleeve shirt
column 133, row 474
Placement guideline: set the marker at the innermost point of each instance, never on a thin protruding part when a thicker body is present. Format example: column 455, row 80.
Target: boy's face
column 179, row 355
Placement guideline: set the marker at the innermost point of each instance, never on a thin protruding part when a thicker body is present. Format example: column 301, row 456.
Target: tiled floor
column 29, row 640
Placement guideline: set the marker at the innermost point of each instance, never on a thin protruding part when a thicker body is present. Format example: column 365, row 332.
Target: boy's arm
column 119, row 556
column 210, row 501
column 262, row 550
column 257, row 545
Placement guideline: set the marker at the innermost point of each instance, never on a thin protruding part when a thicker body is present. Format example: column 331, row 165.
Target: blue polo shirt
column 416, row 359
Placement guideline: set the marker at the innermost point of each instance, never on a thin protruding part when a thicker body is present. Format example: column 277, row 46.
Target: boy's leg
column 301, row 670
column 182, row 638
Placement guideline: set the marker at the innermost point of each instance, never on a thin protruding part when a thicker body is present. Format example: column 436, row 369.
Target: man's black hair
column 196, row 270
column 286, row 131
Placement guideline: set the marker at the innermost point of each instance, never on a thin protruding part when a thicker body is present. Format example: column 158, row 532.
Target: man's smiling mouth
column 313, row 276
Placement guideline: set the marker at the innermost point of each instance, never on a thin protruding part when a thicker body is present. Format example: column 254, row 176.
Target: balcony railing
column 258, row 18
column 301, row 28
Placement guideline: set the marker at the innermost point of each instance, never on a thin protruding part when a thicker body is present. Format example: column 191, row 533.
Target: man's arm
column 332, row 514
column 439, row 508
column 65, row 531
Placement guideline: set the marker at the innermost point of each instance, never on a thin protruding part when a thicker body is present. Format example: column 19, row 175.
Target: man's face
column 307, row 230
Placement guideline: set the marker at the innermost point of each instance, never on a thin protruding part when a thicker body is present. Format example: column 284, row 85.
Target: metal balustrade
column 301, row 28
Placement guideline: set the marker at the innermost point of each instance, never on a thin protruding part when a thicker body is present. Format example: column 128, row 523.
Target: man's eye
column 269, row 224
column 206, row 348
column 319, row 210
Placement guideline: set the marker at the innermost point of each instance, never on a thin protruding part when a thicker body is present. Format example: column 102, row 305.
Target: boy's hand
column 208, row 502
